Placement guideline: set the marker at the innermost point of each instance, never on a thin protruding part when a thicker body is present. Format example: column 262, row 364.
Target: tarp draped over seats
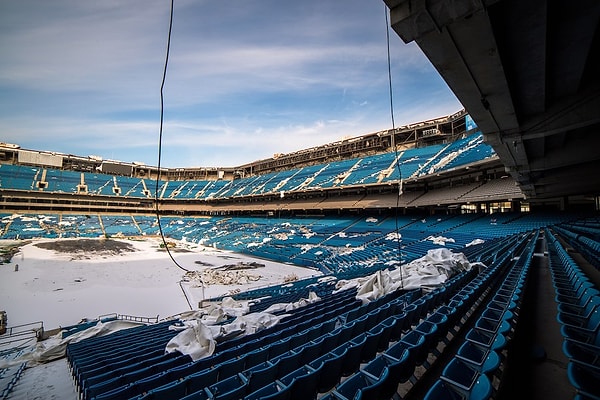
column 474, row 242
column 55, row 346
column 277, row 307
column 429, row 271
column 214, row 312
column 196, row 340
column 199, row 340
column 200, row 333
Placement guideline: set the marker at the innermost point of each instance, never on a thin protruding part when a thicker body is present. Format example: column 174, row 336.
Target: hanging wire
column 389, row 65
column 162, row 86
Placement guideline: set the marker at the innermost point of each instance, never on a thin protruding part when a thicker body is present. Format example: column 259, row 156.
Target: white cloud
column 243, row 82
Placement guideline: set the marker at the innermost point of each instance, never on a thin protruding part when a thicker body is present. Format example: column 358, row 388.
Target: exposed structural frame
column 527, row 73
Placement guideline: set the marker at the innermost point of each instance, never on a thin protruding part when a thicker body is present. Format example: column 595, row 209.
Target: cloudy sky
column 246, row 78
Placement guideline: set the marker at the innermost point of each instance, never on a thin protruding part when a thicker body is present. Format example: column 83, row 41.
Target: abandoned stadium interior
column 436, row 184
column 511, row 182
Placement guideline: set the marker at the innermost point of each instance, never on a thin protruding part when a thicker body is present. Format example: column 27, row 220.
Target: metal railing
column 25, row 331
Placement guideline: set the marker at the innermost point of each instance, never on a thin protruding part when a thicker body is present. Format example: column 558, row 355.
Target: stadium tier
column 350, row 219
column 370, row 170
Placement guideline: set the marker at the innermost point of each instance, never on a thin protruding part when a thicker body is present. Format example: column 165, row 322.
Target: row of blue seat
column 380, row 378
column 470, row 373
column 326, row 372
column 283, row 333
column 291, row 348
column 578, row 301
column 224, row 362
column 119, row 353
column 585, row 243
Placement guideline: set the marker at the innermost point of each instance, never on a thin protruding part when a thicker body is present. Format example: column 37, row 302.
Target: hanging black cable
column 389, row 65
column 162, row 86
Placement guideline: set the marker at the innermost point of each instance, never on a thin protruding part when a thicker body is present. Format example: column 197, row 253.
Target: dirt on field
column 88, row 248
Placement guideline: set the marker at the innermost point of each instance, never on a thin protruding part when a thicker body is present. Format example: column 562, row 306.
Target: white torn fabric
column 474, row 242
column 344, row 284
column 429, row 271
column 191, row 315
column 277, row 307
column 55, row 346
column 196, row 341
column 199, row 340
column 200, row 330
column 252, row 323
column 440, row 240
column 234, row 307
column 216, row 312
column 376, row 285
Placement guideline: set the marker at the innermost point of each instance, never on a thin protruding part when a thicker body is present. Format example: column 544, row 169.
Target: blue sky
column 246, row 79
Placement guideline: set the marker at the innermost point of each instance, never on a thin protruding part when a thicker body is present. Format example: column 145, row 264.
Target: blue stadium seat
column 578, row 308
column 201, row 379
column 390, row 372
column 331, row 365
column 119, row 392
column 232, row 388
column 582, row 317
column 352, row 354
column 483, row 359
column 304, row 382
column 273, row 391
column 467, row 381
column 588, row 333
column 442, row 390
column 584, row 377
column 171, row 391
column 417, row 342
column 361, row 386
column 582, row 352
column 198, row 395
column 371, row 344
column 287, row 363
column 387, row 325
column 260, row 375
column 486, row 339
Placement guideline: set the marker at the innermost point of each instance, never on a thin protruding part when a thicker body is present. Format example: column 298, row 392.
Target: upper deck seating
column 462, row 152
column 19, row 177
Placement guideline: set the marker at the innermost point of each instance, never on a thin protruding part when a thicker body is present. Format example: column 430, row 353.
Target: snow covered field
column 61, row 289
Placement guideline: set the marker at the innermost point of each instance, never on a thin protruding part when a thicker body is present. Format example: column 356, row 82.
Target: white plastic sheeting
column 474, row 242
column 199, row 332
column 426, row 272
column 196, row 340
column 440, row 240
column 312, row 298
column 199, row 340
